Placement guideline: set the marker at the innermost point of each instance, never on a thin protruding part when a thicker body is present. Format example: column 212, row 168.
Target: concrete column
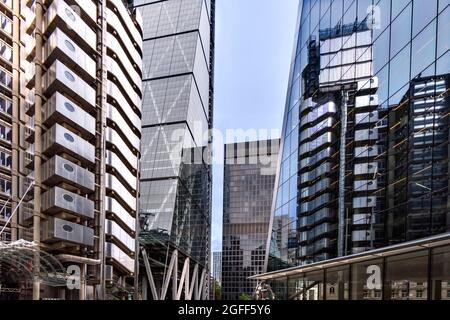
column 15, row 118
column 83, row 282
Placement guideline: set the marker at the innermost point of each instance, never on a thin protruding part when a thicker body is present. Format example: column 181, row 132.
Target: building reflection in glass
column 418, row 274
column 181, row 212
column 365, row 136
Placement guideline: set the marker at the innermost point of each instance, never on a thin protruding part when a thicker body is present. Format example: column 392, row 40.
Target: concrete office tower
column 365, row 148
column 175, row 203
column 249, row 180
column 11, row 69
column 79, row 124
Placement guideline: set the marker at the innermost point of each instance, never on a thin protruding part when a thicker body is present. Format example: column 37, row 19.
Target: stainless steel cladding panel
column 60, row 200
column 59, row 77
column 120, row 32
column 117, row 255
column 114, row 138
column 123, row 193
column 114, row 161
column 59, row 45
column 59, row 108
column 61, row 10
column 58, row 170
column 113, row 229
column 136, row 36
column 120, row 214
column 127, row 110
column 58, row 138
column 55, row 230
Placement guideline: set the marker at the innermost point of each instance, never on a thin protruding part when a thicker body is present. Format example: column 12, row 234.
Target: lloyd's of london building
column 361, row 209
column 70, row 135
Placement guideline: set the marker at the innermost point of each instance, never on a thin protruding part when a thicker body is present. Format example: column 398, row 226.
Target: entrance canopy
column 20, row 256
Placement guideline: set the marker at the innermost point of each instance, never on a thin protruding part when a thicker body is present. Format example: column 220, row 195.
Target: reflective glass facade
column 408, row 272
column 249, row 180
column 365, row 134
column 178, row 55
column 217, row 267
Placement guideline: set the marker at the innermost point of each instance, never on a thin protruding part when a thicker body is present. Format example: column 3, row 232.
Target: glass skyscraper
column 365, row 135
column 250, row 169
column 177, row 115
column 217, row 267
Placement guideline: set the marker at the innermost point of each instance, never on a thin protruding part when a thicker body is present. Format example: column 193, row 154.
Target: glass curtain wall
column 417, row 275
column 365, row 134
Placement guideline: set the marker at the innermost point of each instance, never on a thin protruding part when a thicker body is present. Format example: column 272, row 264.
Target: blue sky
column 254, row 44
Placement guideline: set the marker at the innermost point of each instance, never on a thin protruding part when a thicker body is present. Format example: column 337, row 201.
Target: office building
column 249, row 180
column 177, row 115
column 75, row 84
column 364, row 151
column 216, row 277
column 217, row 266
column 9, row 66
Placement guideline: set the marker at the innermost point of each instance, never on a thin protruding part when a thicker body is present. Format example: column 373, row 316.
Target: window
column 70, row 45
column 68, row 167
column 5, row 78
column 423, row 12
column 440, row 273
column 69, row 107
column 5, row 186
column 6, row 105
column 5, row 132
column 67, row 228
column 424, row 51
column 399, row 73
column 69, row 137
column 338, row 280
column 403, row 272
column 5, row 159
column 70, row 14
column 401, row 31
column 367, row 277
column 314, row 286
column 69, row 76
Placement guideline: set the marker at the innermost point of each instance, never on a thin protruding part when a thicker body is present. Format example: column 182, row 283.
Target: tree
column 245, row 297
column 217, row 290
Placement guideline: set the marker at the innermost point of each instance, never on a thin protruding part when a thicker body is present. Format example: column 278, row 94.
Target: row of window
column 422, row 274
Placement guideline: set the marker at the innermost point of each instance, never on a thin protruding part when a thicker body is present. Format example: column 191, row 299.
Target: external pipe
column 101, row 143
column 37, row 142
column 78, row 259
